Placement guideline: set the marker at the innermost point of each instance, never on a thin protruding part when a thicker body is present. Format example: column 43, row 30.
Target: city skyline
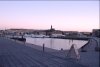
column 63, row 15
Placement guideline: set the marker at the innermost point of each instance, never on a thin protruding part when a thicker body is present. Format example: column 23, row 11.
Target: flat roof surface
column 13, row 54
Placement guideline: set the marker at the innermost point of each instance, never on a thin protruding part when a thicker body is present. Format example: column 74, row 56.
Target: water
column 56, row 43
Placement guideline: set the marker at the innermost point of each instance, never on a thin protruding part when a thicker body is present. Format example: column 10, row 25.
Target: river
column 57, row 44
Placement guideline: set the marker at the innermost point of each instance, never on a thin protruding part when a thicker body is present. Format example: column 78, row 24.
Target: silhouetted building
column 52, row 29
column 96, row 33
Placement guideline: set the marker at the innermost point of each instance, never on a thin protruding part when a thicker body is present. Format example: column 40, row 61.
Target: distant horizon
column 45, row 29
column 63, row 15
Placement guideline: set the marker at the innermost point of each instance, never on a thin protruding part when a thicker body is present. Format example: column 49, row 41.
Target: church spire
column 51, row 27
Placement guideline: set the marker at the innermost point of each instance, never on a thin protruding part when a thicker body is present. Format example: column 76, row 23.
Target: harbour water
column 57, row 44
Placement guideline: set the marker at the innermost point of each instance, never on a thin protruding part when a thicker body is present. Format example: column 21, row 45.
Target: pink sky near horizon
column 75, row 16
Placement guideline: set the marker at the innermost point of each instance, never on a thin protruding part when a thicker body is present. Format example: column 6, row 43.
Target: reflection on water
column 51, row 43
column 56, row 43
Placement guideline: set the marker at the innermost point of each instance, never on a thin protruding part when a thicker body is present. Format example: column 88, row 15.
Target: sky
column 62, row 15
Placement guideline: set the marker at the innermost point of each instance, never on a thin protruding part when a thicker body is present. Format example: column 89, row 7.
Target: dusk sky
column 62, row 15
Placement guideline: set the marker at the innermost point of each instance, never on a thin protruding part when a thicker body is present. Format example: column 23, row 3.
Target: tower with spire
column 51, row 27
